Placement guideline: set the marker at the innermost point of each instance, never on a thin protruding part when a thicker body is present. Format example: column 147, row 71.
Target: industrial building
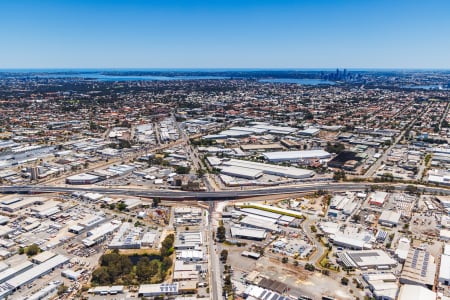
column 83, row 178
column 382, row 285
column 408, row 292
column 71, row 274
column 188, row 240
column 127, row 237
column 162, row 289
column 444, row 270
column 367, row 259
column 248, row 233
column 402, row 249
column 35, row 272
column 241, row 172
column 247, row 169
column 377, row 198
column 419, row 268
column 260, row 222
column 99, row 234
column 296, row 156
column 190, row 255
column 389, row 218
column 359, row 241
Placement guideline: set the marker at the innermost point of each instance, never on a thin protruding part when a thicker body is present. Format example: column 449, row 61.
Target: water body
column 298, row 81
column 103, row 77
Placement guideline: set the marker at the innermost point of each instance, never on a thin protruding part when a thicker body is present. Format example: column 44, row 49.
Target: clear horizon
column 250, row 34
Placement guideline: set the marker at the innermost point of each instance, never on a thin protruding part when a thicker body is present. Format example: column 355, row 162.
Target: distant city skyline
column 264, row 34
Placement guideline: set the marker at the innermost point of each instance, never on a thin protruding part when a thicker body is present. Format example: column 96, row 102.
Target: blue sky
column 225, row 34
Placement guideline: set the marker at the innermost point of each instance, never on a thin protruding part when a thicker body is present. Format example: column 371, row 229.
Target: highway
column 213, row 195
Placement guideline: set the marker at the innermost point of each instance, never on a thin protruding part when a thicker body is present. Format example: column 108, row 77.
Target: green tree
column 224, row 255
column 32, row 250
column 143, row 271
column 121, row 206
column 101, row 276
column 220, row 234
column 156, row 201
column 182, row 170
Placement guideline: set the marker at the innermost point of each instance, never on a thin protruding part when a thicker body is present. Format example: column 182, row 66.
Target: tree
column 411, row 189
column 356, row 218
column 339, row 175
column 143, row 271
column 344, row 281
column 284, row 260
column 156, row 201
column 220, row 234
column 101, row 276
column 121, row 206
column 32, row 250
column 62, row 289
column 224, row 255
column 167, row 245
column 182, row 170
column 201, row 172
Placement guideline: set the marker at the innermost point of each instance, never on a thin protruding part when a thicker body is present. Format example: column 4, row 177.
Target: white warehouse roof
column 409, row 291
column 290, row 172
column 296, row 155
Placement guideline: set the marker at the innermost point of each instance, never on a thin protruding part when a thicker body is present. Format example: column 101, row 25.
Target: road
column 214, row 195
column 215, row 271
column 319, row 247
column 371, row 171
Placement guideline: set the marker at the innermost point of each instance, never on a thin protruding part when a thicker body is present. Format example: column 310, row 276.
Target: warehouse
column 311, row 131
column 127, row 237
column 241, row 172
column 148, row 239
column 70, row 274
column 382, row 285
column 14, row 271
column 37, row 271
column 274, row 209
column 248, row 233
column 353, row 242
column 161, row 289
column 43, row 257
column 419, row 269
column 45, row 292
column 367, row 259
column 15, row 204
column 260, row 222
column 187, row 240
column 296, row 156
column 91, row 222
column 190, row 255
column 82, row 178
column 262, row 147
column 289, row 172
column 99, row 234
column 444, row 270
column 378, row 198
column 389, row 218
column 408, row 292
column 402, row 249
column 185, row 275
